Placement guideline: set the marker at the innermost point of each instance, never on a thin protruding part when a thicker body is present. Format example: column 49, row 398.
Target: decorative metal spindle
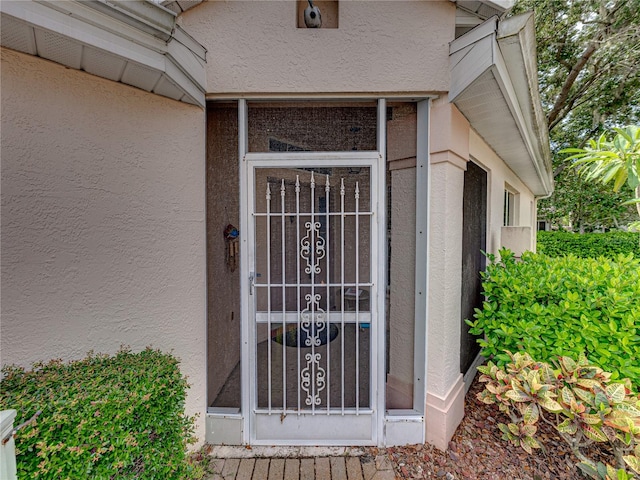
column 327, row 191
column 317, row 229
column 297, row 189
column 357, row 262
column 342, row 286
column 284, row 303
column 313, row 278
column 268, row 258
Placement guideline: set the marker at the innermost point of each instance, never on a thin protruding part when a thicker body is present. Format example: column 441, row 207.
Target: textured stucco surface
column 452, row 141
column 449, row 150
column 382, row 46
column 453, row 144
column 516, row 239
column 445, row 257
column 103, row 220
column 499, row 175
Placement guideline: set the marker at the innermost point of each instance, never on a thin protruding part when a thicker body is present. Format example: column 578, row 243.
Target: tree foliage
column 617, row 160
column 589, row 74
column 585, row 206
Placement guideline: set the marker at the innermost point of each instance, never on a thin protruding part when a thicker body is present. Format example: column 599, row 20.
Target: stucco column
column 449, row 153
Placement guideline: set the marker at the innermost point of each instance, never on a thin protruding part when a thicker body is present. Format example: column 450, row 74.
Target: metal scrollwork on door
column 313, row 261
column 312, row 320
column 307, row 243
column 312, row 379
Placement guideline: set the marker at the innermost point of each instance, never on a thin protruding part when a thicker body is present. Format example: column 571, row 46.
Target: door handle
column 251, row 282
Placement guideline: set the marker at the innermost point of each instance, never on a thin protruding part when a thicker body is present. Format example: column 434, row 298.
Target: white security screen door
column 314, row 328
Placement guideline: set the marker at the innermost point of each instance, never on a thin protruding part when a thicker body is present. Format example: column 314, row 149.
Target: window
column 312, row 126
column 510, row 207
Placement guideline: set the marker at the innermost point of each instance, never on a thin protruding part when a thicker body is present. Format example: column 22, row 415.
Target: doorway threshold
column 264, row 451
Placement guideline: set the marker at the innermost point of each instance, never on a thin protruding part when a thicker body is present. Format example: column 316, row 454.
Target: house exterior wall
column 449, row 151
column 385, row 46
column 380, row 47
column 453, row 144
column 103, row 220
column 103, row 187
column 499, row 176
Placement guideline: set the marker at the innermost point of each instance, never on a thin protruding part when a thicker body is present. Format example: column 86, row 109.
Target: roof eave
column 485, row 9
column 179, row 6
column 496, row 91
column 517, row 41
column 137, row 43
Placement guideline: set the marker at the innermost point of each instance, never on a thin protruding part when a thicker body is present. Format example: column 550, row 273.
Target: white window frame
column 511, row 204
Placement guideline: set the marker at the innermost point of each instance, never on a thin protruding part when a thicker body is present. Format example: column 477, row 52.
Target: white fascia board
column 486, row 29
column 187, row 61
column 147, row 16
column 185, row 82
column 73, row 27
column 97, row 28
column 503, row 5
column 527, row 134
column 103, row 19
column 517, row 42
column 476, row 44
column 471, row 56
column 181, row 36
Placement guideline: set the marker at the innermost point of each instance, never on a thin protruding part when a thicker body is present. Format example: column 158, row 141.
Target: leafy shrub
column 102, row 418
column 610, row 244
column 569, row 306
column 578, row 399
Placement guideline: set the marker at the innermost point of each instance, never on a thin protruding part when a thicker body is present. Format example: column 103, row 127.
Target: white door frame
column 320, row 426
column 231, row 426
column 377, row 161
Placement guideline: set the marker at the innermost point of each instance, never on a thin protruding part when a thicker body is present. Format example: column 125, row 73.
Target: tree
column 616, row 161
column 584, row 205
column 589, row 73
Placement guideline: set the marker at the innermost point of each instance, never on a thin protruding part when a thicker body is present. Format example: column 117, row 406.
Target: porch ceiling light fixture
column 312, row 17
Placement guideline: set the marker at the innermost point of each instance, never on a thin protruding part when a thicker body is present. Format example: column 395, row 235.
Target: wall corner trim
column 449, row 156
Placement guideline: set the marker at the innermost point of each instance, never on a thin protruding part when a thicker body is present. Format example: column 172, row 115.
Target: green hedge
column 610, row 244
column 563, row 306
column 102, row 418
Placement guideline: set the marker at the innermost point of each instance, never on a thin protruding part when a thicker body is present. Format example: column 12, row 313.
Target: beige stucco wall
column 445, row 256
column 103, row 220
column 453, row 143
column 449, row 150
column 499, row 175
column 381, row 46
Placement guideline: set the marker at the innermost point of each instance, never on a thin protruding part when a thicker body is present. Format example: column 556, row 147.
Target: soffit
column 484, row 9
column 136, row 43
column 179, row 6
column 494, row 85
